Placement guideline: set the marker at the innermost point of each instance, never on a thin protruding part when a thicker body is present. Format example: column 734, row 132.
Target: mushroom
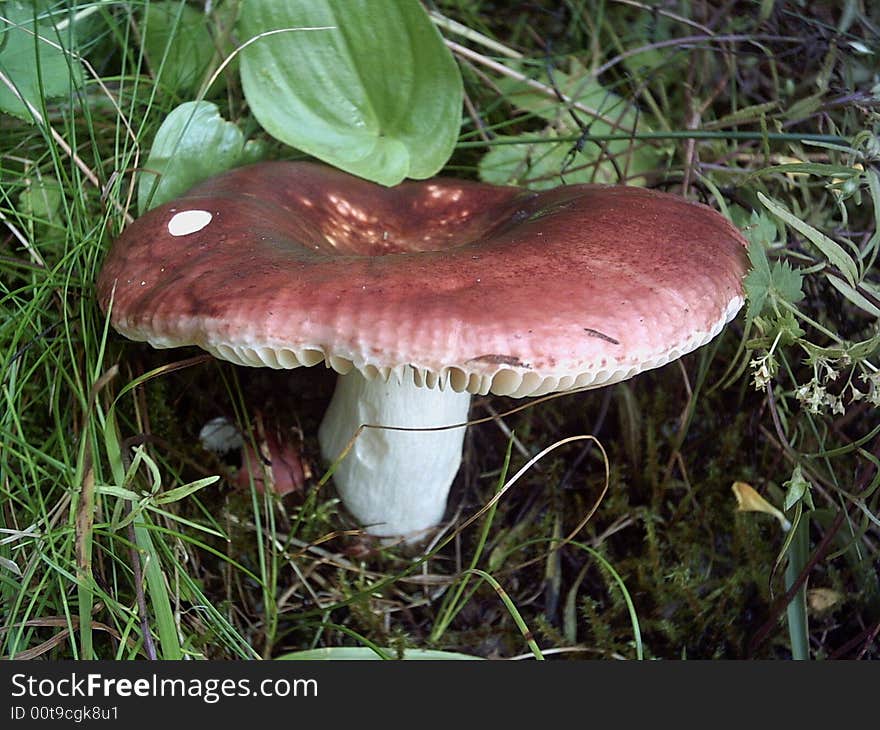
column 419, row 296
column 274, row 463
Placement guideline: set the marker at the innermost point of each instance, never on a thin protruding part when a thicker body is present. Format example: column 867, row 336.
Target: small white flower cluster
column 764, row 369
column 816, row 398
column 872, row 381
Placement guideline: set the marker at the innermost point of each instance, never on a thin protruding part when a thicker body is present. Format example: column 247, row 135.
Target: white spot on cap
column 188, row 221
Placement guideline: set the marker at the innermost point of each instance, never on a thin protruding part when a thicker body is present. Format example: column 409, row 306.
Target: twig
column 455, row 27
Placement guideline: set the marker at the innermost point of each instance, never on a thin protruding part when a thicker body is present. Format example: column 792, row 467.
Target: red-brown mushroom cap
column 487, row 288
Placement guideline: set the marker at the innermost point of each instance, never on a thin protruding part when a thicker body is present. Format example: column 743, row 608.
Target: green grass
column 116, row 541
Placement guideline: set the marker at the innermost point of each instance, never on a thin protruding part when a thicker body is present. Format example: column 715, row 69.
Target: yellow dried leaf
column 821, row 600
column 787, row 160
column 842, row 180
column 748, row 500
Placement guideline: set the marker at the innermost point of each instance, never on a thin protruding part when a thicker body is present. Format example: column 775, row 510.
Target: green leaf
column 758, row 281
column 853, row 296
column 178, row 44
column 786, row 282
column 805, row 168
column 860, row 351
column 856, row 351
column 193, row 144
column 664, row 66
column 536, row 166
column 832, row 251
column 761, row 229
column 542, row 166
column 33, row 62
column 577, row 85
column 178, row 493
column 764, row 282
column 546, row 165
column 788, row 329
column 377, row 95
column 112, row 490
column 41, row 199
column 745, row 115
column 797, row 489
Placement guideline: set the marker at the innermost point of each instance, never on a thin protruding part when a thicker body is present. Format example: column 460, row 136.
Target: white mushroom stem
column 394, row 482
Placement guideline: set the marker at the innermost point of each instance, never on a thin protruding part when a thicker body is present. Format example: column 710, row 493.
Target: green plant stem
column 675, row 134
column 796, row 611
column 169, row 643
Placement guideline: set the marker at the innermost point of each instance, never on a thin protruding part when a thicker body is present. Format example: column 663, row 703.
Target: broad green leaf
column 787, row 282
column 758, row 281
column 377, row 95
column 763, row 281
column 536, row 166
column 33, row 62
column 545, row 165
column 178, row 44
column 761, row 229
column 663, row 66
column 832, row 251
column 41, row 199
column 193, row 144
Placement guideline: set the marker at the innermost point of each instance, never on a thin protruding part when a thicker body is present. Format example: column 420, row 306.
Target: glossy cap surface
column 477, row 287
